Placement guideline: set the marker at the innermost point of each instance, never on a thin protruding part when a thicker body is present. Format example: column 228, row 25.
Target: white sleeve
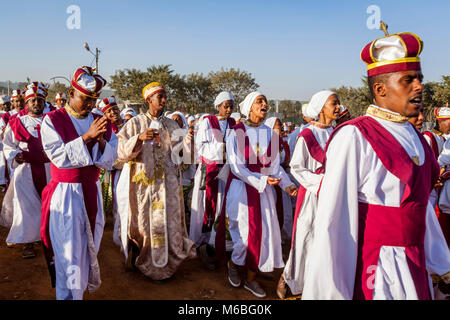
column 64, row 156
column 444, row 157
column 237, row 166
column 437, row 253
column 299, row 168
column 107, row 158
column 330, row 274
column 206, row 143
column 10, row 147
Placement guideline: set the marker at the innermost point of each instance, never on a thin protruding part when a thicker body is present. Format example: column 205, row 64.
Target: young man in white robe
column 78, row 144
column 249, row 205
column 307, row 168
column 23, row 149
column 150, row 191
column 206, row 201
column 376, row 235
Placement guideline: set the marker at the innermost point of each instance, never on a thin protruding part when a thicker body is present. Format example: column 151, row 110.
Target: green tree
column 199, row 94
column 54, row 89
column 239, row 83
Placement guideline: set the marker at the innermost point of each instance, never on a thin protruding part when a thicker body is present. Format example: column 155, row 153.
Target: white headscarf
column 316, row 104
column 271, row 122
column 128, row 110
column 191, row 118
column 236, row 116
column 183, row 118
column 222, row 97
column 246, row 105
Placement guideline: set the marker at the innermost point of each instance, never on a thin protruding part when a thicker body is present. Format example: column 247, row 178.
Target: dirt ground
column 29, row 280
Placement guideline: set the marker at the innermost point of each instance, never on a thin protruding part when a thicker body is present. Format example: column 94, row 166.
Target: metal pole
column 96, row 60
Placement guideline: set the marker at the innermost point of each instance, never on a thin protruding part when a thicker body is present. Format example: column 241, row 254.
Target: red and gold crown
column 86, row 81
column 393, row 53
column 107, row 104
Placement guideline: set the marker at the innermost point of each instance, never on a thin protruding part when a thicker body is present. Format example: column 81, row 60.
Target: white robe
column 353, row 173
column 440, row 140
column 209, row 148
column 236, row 206
column 67, row 210
column 444, row 162
column 303, row 168
column 26, row 202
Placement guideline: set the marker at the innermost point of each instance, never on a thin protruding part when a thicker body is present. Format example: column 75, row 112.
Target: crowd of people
column 362, row 204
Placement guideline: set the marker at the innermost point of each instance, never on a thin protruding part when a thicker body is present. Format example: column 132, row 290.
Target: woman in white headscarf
column 306, row 167
column 284, row 203
column 250, row 203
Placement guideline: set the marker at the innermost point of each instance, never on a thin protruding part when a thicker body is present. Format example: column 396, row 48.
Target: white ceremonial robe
column 288, row 219
column 353, row 173
column 67, row 209
column 236, row 205
column 444, row 162
column 440, row 141
column 303, row 168
column 208, row 148
column 26, row 202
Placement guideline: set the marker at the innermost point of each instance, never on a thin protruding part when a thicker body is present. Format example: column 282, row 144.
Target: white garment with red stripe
column 355, row 174
column 236, row 206
column 26, row 202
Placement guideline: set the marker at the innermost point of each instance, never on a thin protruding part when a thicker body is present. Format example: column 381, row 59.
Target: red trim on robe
column 389, row 226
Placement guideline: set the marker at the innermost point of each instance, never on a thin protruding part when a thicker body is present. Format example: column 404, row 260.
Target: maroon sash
column 211, row 182
column 278, row 192
column 87, row 176
column 318, row 154
column 390, row 226
column 254, row 207
column 35, row 156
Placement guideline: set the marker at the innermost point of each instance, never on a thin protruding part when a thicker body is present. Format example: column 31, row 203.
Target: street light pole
column 96, row 54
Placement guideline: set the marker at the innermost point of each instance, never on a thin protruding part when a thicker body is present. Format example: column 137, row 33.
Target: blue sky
column 292, row 48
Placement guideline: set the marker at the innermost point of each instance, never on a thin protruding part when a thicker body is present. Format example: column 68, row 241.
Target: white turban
column 246, row 105
column 183, row 118
column 191, row 118
column 222, row 97
column 316, row 104
column 271, row 122
column 128, row 110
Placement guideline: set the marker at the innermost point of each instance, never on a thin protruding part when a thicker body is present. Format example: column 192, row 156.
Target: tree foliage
column 193, row 93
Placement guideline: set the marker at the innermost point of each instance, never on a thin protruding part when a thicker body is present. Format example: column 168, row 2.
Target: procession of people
column 362, row 205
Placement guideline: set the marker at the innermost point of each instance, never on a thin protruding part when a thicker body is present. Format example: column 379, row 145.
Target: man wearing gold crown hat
column 78, row 144
column 376, row 235
column 150, row 193
column 23, row 149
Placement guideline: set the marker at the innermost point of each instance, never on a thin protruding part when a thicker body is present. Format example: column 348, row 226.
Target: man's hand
column 19, row 158
column 292, row 191
column 97, row 129
column 273, row 181
column 191, row 132
column 148, row 134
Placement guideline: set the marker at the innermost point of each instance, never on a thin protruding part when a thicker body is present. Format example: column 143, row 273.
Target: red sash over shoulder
column 318, row 154
column 87, row 176
column 212, row 170
column 35, row 155
column 391, row 226
column 253, row 204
